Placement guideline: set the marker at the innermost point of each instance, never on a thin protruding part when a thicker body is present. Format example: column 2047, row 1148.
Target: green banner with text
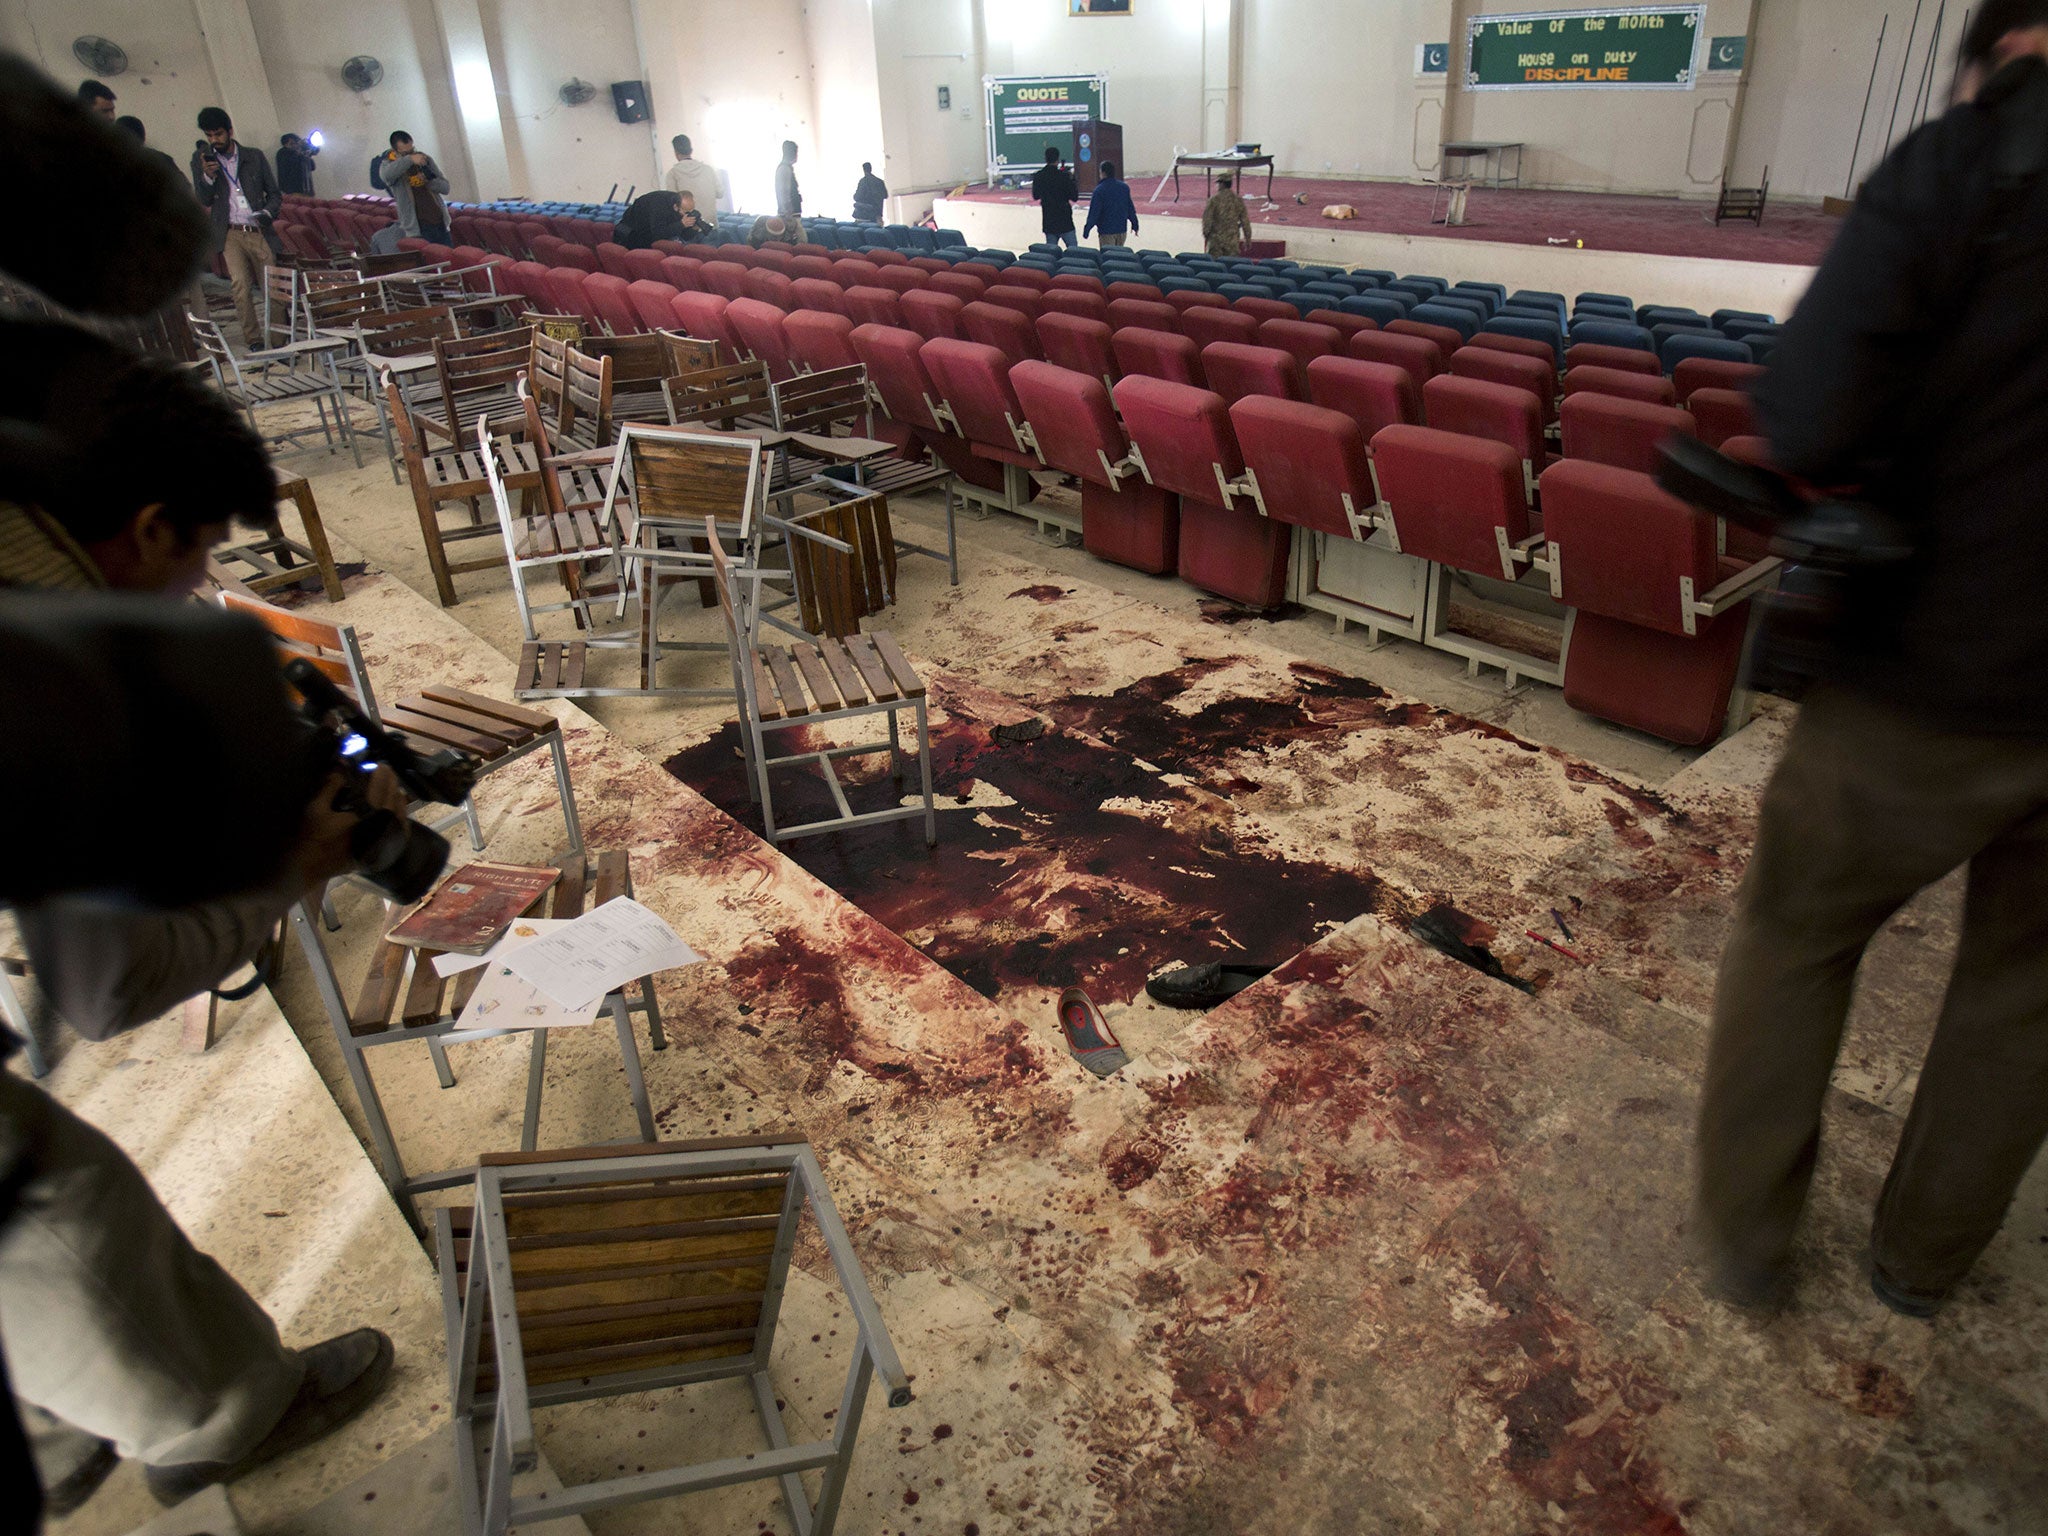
column 1644, row 47
column 1028, row 115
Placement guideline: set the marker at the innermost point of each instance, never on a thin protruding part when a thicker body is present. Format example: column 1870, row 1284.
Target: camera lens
column 398, row 856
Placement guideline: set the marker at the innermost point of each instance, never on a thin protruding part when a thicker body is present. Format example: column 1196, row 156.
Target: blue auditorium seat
column 1473, row 285
column 1761, row 344
column 1741, row 328
column 1594, row 310
column 1154, row 256
column 1456, row 316
column 1436, row 284
column 1531, row 328
column 1621, row 299
column 1654, row 316
column 1613, row 333
column 1473, row 304
column 1378, row 310
column 949, row 237
column 1543, row 294
column 1236, row 291
column 1184, row 285
column 1673, row 350
column 1399, row 296
column 1373, row 275
column 1304, row 301
column 1416, row 288
column 1336, row 292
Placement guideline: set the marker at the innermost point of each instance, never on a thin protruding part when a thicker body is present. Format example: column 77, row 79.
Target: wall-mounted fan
column 100, row 55
column 361, row 72
column 576, row 92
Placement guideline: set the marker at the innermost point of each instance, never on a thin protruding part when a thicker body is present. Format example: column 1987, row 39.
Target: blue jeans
column 1065, row 237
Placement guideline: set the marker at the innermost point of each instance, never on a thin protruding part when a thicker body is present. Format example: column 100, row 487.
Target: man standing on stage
column 1110, row 209
column 1054, row 191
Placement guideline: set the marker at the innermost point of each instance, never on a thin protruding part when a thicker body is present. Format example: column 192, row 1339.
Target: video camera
column 396, row 854
column 1831, row 545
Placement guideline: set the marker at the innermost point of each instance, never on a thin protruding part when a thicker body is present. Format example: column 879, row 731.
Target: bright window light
column 745, row 141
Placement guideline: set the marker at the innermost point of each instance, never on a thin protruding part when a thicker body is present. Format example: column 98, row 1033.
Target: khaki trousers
column 1106, row 240
column 113, row 1323
column 1867, row 808
column 247, row 253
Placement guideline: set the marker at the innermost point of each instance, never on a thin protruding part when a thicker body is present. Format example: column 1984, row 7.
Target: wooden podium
column 1094, row 142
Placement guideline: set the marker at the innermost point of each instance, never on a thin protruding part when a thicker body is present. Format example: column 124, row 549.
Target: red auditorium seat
column 980, row 269
column 974, row 382
column 888, row 258
column 817, row 265
column 582, row 257
column 1712, row 373
column 1265, row 309
column 529, row 279
column 1024, row 277
column 653, row 302
column 1123, row 288
column 589, row 233
column 1628, row 359
column 820, row 339
column 1023, row 300
column 1185, row 299
column 546, row 248
column 1624, row 433
column 727, row 279
column 1309, row 464
column 930, row 265
column 526, row 231
column 685, row 273
column 1511, row 368
column 703, row 315
column 612, row 303
column 1500, row 413
column 770, row 287
column 1009, row 331
column 1347, row 326
column 964, row 286
column 1207, row 325
column 671, row 247
column 895, row 367
column 1301, row 339
column 1143, row 314
column 1719, row 414
column 480, row 268
column 1739, row 542
column 903, row 279
column 738, row 254
column 1452, row 498
column 775, row 255
column 1446, row 337
column 1070, row 301
column 1068, row 341
column 1157, row 355
column 1521, row 346
column 611, row 258
column 645, row 266
column 566, row 284
column 852, row 272
column 817, row 293
column 1235, row 370
column 1423, row 360
column 1186, row 443
column 1124, row 519
column 1619, row 547
column 1652, row 388
column 931, row 314
column 1374, row 395
column 759, row 328
column 873, row 306
column 1079, row 282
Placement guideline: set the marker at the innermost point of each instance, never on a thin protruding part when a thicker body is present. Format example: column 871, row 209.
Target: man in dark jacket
column 650, row 217
column 1054, row 191
column 1110, row 209
column 1914, row 370
column 240, row 190
column 869, row 193
column 295, row 164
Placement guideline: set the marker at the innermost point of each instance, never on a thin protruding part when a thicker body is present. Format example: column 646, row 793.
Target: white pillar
column 476, row 100
column 658, row 29
column 244, row 85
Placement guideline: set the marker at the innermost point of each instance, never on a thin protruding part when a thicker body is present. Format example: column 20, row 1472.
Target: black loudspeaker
column 630, row 97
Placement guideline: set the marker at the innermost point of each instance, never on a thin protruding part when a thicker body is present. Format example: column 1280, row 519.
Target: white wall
column 921, row 45
column 1355, row 108
column 169, row 75
column 846, row 94
column 557, row 151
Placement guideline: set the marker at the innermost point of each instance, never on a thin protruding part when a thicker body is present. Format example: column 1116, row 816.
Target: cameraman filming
column 123, row 471
column 1914, row 370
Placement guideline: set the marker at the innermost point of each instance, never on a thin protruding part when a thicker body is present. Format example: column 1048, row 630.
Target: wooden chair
column 275, row 562
column 495, row 733
column 849, row 573
column 477, row 376
column 303, row 373
column 403, row 999
column 282, row 313
column 729, row 396
column 613, row 1271
column 1743, row 202
column 396, row 347
column 639, row 364
column 454, row 477
column 806, row 686
column 686, row 354
column 574, row 390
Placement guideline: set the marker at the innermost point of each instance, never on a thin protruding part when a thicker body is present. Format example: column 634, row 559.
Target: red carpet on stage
column 1794, row 233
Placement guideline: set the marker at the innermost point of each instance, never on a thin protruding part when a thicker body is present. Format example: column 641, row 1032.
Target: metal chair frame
column 243, row 379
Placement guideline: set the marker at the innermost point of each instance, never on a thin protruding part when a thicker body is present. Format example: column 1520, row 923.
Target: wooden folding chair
column 275, row 561
column 838, row 583
column 639, row 364
column 614, row 1271
column 397, row 347
column 454, row 476
column 403, row 999
column 810, row 685
column 300, row 374
column 730, row 396
column 281, row 311
column 477, row 376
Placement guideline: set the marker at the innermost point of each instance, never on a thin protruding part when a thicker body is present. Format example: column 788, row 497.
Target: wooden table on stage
column 1479, row 149
column 1211, row 164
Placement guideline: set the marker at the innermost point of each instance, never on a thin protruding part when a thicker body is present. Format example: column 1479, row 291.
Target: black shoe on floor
column 343, row 1375
column 1906, row 1303
column 69, row 1494
column 1203, row 986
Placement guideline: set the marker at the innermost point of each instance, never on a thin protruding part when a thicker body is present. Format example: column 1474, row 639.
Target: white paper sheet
column 520, row 932
column 503, row 1000
column 600, row 951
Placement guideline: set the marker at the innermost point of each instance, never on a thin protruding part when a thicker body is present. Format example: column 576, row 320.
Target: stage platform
column 1668, row 249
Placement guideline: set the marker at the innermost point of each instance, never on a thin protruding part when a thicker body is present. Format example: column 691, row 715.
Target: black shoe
column 343, row 1375
column 1904, row 1302
column 1203, row 986
column 69, row 1494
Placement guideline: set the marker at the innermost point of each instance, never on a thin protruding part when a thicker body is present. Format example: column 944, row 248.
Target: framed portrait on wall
column 1098, row 7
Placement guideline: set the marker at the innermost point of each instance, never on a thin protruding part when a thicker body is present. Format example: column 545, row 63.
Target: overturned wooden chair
column 614, row 1271
column 815, row 684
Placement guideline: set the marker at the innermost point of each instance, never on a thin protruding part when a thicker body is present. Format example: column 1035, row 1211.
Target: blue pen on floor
column 1557, row 917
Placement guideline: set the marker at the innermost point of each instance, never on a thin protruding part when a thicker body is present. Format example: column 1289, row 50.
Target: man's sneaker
column 343, row 1375
column 1902, row 1301
column 1203, row 986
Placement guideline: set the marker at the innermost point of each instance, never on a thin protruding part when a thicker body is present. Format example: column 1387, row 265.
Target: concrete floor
column 1381, row 1246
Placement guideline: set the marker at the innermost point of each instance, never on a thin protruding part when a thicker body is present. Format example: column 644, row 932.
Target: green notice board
column 1029, row 114
column 1639, row 47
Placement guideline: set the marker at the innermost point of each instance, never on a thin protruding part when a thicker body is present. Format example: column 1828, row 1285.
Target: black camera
column 1831, row 548
column 396, row 854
